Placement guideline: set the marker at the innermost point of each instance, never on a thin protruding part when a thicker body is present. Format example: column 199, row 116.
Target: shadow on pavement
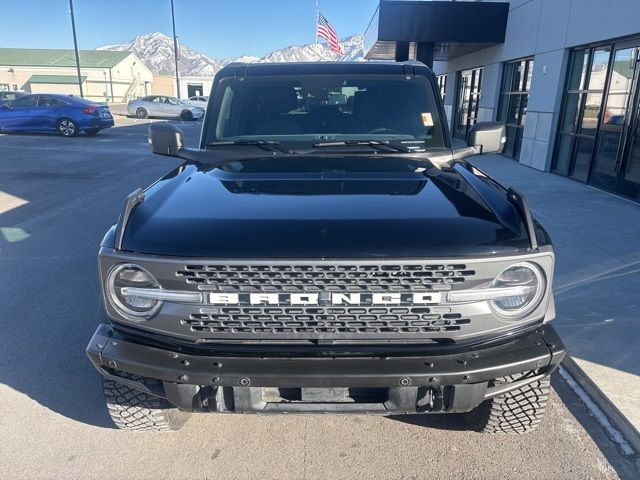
column 439, row 421
column 70, row 193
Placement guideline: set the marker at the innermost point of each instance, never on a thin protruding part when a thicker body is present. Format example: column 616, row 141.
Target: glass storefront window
column 578, row 70
column 582, row 110
column 583, row 151
column 514, row 96
column 468, row 101
column 570, row 118
column 599, row 127
column 442, row 85
column 564, row 153
column 591, row 114
column 599, row 69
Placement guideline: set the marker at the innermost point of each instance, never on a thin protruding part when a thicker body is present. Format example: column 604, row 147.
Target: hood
column 449, row 211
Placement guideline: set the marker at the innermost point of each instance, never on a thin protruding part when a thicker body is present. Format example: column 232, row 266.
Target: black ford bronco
column 326, row 250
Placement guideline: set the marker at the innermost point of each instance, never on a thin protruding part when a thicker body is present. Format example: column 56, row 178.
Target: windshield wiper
column 270, row 145
column 393, row 146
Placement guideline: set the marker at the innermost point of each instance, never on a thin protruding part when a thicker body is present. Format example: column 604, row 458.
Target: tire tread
column 138, row 411
column 517, row 412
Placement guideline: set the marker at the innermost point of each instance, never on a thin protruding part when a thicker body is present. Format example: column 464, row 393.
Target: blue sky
column 217, row 28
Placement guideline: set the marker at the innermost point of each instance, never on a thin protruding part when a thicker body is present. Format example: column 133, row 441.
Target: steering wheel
column 384, row 130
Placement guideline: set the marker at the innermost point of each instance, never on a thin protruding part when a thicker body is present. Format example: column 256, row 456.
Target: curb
column 615, row 416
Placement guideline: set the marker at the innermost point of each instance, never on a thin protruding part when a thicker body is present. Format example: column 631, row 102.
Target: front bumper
column 455, row 382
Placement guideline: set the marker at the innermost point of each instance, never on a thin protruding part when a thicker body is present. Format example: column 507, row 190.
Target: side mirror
column 487, row 137
column 165, row 138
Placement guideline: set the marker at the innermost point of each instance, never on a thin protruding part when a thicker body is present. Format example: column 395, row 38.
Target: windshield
column 325, row 108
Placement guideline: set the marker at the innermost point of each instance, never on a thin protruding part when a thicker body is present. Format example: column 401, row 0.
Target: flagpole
column 317, row 17
column 175, row 49
column 75, row 46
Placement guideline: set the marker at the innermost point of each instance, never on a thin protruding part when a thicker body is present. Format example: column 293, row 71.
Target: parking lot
column 57, row 198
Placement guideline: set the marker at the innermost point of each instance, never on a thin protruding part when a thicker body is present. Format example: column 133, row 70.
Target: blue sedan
column 64, row 114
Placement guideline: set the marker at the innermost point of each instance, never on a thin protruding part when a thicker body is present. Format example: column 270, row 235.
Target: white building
column 105, row 75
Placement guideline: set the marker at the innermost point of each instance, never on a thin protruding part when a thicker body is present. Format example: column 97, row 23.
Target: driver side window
column 24, row 102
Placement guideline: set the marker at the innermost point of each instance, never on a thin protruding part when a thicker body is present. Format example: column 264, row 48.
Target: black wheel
column 137, row 411
column 186, row 115
column 142, row 112
column 67, row 127
column 92, row 131
column 516, row 412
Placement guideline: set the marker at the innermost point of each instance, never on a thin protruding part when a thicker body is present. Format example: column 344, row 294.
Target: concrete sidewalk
column 597, row 281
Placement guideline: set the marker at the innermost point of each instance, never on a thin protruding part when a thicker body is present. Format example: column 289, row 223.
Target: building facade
column 190, row 85
column 565, row 80
column 106, row 75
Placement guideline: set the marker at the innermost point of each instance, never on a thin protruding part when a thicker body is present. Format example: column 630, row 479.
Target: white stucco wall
column 120, row 78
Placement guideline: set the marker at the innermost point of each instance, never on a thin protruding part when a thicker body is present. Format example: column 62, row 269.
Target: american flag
column 326, row 31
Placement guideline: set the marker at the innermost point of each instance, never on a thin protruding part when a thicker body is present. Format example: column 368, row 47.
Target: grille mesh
column 330, row 278
column 327, row 320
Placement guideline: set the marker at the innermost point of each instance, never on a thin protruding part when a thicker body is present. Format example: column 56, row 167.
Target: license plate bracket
column 323, row 395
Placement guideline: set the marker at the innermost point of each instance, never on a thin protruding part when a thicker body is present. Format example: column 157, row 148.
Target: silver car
column 199, row 101
column 161, row 106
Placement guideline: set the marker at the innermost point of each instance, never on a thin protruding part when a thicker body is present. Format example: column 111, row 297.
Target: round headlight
column 531, row 280
column 131, row 306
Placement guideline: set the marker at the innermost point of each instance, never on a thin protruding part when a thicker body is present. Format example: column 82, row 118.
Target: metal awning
column 442, row 29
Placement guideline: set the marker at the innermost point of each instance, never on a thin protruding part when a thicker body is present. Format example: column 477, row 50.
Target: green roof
column 56, row 79
column 49, row 57
column 623, row 68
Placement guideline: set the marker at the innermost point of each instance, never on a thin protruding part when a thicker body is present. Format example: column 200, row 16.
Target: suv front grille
column 260, row 299
column 338, row 321
column 330, row 278
column 326, row 321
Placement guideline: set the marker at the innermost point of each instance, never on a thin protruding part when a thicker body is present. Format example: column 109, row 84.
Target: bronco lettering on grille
column 325, row 298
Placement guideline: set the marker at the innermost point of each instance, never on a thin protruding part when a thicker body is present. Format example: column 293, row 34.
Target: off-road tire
column 516, row 412
column 133, row 410
column 67, row 127
column 186, row 115
column 142, row 113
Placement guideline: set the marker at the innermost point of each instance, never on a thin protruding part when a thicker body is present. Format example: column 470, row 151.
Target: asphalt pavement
column 57, row 198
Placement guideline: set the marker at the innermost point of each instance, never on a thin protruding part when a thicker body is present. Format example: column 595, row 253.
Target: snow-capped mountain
column 246, row 59
column 353, row 50
column 156, row 51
